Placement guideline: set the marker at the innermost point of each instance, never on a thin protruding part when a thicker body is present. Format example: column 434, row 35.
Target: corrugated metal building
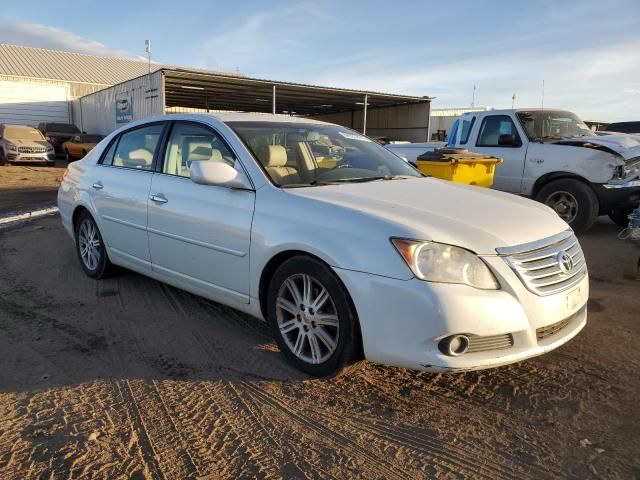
column 37, row 84
column 171, row 89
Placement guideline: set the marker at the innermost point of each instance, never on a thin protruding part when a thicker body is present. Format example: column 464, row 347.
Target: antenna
column 147, row 48
column 513, row 101
column 473, row 97
column 542, row 102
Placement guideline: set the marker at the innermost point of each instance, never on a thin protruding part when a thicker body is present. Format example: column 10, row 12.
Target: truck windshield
column 540, row 125
column 307, row 154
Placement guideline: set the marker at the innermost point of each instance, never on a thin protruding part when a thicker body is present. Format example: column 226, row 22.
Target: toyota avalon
column 342, row 247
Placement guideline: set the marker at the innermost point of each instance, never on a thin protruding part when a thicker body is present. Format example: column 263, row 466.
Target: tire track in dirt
column 337, row 438
column 383, row 386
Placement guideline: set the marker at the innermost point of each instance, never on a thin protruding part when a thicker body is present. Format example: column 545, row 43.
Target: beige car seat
column 274, row 159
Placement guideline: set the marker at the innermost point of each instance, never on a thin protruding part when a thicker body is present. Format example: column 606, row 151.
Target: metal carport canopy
column 200, row 90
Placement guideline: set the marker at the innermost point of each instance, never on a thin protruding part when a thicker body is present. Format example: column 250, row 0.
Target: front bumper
column 18, row 157
column 402, row 321
column 618, row 195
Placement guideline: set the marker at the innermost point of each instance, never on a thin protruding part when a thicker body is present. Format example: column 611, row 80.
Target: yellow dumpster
column 459, row 165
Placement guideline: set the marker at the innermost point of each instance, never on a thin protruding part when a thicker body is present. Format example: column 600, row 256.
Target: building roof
column 31, row 62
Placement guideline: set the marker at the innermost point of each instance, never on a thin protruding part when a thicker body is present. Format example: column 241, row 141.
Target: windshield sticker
column 353, row 136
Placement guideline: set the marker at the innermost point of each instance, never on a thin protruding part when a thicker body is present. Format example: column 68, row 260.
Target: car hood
column 622, row 144
column 476, row 218
column 29, row 143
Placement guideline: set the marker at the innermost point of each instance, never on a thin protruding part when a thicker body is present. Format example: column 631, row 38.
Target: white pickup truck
column 552, row 156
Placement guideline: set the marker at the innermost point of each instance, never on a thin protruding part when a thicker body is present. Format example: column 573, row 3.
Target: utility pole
column 513, row 101
column 147, row 48
column 473, row 97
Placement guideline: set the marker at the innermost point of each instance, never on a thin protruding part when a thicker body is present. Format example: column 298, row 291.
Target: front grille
column 538, row 264
column 494, row 342
column 544, row 332
column 32, row 149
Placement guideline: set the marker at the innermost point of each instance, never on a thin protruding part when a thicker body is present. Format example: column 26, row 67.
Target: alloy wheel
column 89, row 244
column 307, row 318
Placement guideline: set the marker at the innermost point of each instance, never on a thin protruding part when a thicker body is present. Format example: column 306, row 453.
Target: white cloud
column 44, row 36
column 302, row 43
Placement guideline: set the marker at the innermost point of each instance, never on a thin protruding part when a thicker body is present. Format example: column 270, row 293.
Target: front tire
column 312, row 318
column 91, row 249
column 574, row 201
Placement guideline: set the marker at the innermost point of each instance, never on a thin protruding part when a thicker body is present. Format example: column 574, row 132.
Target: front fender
column 340, row 237
column 595, row 166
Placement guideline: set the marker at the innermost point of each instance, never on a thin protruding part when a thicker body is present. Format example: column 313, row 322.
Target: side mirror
column 508, row 140
column 207, row 172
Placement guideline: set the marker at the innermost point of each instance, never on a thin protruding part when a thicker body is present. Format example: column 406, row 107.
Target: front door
column 200, row 233
column 498, row 136
column 120, row 190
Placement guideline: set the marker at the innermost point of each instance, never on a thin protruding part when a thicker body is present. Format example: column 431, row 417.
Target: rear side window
column 467, row 125
column 135, row 148
column 451, row 141
column 190, row 142
column 498, row 131
column 107, row 158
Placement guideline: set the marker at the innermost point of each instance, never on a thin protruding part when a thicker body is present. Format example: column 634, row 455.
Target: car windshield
column 541, row 125
column 62, row 128
column 17, row 132
column 300, row 155
column 91, row 138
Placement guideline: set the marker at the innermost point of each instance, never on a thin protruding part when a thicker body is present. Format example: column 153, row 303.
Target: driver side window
column 498, row 131
column 190, row 142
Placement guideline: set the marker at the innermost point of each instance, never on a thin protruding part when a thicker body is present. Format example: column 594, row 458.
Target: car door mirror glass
column 206, row 172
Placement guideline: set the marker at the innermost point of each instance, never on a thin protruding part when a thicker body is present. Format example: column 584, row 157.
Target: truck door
column 499, row 136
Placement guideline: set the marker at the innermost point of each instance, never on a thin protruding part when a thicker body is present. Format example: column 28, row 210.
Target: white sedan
column 342, row 247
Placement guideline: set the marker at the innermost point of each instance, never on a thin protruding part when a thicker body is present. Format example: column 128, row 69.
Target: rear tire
column 574, row 201
column 620, row 216
column 91, row 249
column 312, row 318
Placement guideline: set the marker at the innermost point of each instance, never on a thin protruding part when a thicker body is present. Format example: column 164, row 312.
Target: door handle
column 158, row 198
column 98, row 186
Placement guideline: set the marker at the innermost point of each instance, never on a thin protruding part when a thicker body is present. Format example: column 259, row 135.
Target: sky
column 586, row 52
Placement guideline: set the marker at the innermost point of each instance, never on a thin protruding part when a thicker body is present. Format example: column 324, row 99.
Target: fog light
column 454, row 346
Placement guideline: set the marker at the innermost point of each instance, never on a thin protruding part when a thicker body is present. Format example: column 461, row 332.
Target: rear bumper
column 617, row 195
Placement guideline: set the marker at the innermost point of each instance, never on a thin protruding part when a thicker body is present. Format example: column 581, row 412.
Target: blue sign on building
column 124, row 110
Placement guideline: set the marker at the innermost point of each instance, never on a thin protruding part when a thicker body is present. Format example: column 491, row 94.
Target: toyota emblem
column 565, row 262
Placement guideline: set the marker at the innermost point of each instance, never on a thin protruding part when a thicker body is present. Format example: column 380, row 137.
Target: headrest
column 273, row 156
column 216, row 156
column 313, row 137
column 198, row 151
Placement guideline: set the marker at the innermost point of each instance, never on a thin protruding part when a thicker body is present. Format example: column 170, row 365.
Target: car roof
column 227, row 117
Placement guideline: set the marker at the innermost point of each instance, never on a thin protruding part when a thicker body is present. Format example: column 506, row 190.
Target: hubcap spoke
column 89, row 244
column 328, row 319
column 297, row 348
column 293, row 290
column 286, row 327
column 288, row 306
column 321, row 299
column 316, row 354
column 325, row 338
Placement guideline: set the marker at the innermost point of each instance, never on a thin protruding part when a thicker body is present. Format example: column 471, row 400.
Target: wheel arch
column 278, row 259
column 549, row 177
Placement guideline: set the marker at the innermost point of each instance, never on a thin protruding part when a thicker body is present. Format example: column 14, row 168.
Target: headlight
column 12, row 147
column 50, row 148
column 437, row 262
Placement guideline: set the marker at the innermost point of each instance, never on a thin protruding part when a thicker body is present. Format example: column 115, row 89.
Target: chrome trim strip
column 217, row 248
column 536, row 245
column 123, row 222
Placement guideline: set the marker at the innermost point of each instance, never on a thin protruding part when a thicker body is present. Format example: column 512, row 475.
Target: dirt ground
column 27, row 187
column 130, row 379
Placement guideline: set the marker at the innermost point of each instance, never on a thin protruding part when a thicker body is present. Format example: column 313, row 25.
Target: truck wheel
column 620, row 216
column 574, row 201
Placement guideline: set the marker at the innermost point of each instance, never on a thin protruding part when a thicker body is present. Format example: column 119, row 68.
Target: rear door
column 121, row 191
column 200, row 234
column 499, row 136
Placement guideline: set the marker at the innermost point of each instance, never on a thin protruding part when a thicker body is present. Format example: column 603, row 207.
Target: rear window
column 451, row 140
column 62, row 128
